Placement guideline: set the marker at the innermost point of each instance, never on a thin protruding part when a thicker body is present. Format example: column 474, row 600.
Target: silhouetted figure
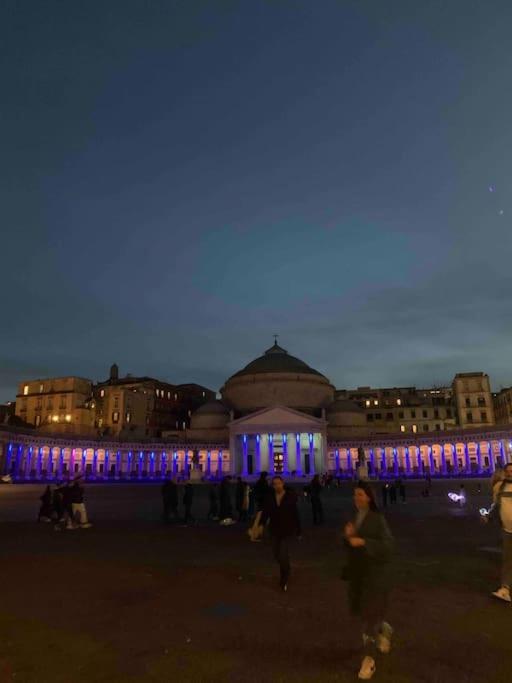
column 213, row 497
column 169, row 500
column 79, row 511
column 401, row 489
column 239, row 497
column 385, row 494
column 188, row 497
column 315, row 491
column 226, row 507
column 392, row 494
column 261, row 491
column 46, row 509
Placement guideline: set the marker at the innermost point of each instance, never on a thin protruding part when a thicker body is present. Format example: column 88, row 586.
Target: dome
column 277, row 378
column 276, row 359
column 211, row 415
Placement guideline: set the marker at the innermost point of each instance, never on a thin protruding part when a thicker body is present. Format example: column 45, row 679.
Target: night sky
column 182, row 180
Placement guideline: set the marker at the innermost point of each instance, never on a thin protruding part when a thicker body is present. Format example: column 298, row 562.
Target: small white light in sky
column 491, row 188
column 501, row 212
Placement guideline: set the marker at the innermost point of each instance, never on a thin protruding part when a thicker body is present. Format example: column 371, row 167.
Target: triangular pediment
column 279, row 417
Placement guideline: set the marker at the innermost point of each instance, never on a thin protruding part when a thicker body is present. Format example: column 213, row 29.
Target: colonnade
column 284, row 453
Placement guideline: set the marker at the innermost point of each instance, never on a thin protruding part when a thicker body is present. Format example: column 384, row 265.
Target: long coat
column 368, row 568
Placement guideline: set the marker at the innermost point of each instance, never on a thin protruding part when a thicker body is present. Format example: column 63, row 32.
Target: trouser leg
column 282, row 556
column 506, row 573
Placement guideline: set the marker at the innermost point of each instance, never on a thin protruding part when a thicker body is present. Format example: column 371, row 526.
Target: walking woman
column 369, row 548
column 280, row 510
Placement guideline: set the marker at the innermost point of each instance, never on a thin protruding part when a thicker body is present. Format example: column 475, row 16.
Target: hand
column 350, row 530
column 356, row 542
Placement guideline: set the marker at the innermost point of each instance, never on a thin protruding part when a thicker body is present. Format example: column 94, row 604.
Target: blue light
column 152, row 456
column 284, row 438
column 270, row 438
column 140, row 455
column 310, row 438
column 297, row 437
column 257, row 438
column 245, row 438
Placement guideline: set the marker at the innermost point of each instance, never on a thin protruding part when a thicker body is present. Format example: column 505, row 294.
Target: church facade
column 278, row 415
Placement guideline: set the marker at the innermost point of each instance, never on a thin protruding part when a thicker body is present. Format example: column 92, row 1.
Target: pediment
column 277, row 417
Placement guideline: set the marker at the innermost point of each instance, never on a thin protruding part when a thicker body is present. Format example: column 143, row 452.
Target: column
column 219, row 464
column 431, row 460
column 84, row 460
column 492, row 464
column 117, row 472
column 337, row 460
column 349, row 460
column 384, row 465
column 19, row 458
column 311, row 454
column 28, row 462
column 271, row 453
column 298, row 459
column 8, row 459
column 443, row 459
column 185, row 463
column 395, row 462
column 130, row 463
column 479, row 457
column 407, row 461
column 95, row 464
column 286, row 469
column 49, row 466
column 140, row 464
column 245, row 451
column 372, row 460
column 468, row 461
column 208, row 463
column 61, row 463
column 71, row 462
column 106, row 459
column 39, row 461
column 258, row 454
column 163, row 465
column 502, row 454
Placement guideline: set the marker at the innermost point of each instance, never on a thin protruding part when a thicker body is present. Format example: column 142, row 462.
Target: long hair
column 366, row 487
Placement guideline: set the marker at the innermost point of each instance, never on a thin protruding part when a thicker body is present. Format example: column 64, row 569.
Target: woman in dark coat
column 369, row 546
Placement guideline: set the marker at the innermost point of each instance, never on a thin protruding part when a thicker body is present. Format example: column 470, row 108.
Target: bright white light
column 457, row 497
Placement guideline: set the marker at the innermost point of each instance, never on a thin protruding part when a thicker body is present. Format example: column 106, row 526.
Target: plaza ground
column 134, row 600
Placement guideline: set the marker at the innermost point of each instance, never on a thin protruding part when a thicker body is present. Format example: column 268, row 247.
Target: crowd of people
column 367, row 539
column 64, row 506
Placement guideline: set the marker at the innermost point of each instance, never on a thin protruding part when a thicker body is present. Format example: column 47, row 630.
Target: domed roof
column 277, row 359
column 212, row 408
column 344, row 405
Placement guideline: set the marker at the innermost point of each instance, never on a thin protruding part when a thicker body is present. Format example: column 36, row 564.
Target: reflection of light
column 484, row 512
column 457, row 497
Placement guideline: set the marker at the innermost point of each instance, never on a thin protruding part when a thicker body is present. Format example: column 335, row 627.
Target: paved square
column 133, row 600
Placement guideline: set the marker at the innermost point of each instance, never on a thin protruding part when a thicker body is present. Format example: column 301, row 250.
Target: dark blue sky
column 180, row 180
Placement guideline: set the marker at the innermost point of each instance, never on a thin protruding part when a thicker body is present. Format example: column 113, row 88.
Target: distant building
column 503, row 406
column 7, row 412
column 58, row 405
column 473, row 399
column 145, row 406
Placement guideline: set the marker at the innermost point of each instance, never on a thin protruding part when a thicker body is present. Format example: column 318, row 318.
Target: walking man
column 502, row 498
column 169, row 500
column 188, row 497
column 280, row 510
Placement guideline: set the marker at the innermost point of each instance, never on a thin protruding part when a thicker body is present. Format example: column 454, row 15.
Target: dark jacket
column 188, row 495
column 260, row 491
column 315, row 489
column 284, row 518
column 77, row 494
column 239, row 495
column 369, row 561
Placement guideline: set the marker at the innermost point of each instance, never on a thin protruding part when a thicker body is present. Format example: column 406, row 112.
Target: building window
column 389, row 417
column 128, row 417
column 68, row 418
column 50, row 405
column 184, row 425
column 369, row 417
column 425, row 413
column 115, row 417
column 425, row 428
column 401, row 415
column 55, row 418
column 38, row 420
column 375, row 403
column 204, row 394
column 378, row 416
column 413, row 413
column 483, row 416
column 368, row 403
column 436, row 414
column 41, row 388
column 169, row 395
column 448, row 412
column 102, row 393
column 25, row 390
column 116, row 402
column 469, row 416
column 175, row 397
column 415, row 428
column 62, row 405
column 402, row 428
column 481, row 401
column 468, row 403
column 399, row 401
column 438, row 428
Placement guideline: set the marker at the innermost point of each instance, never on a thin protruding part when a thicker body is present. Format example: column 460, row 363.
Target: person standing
column 79, row 511
column 369, row 546
column 280, row 510
column 502, row 499
column 169, row 500
column 315, row 489
column 401, row 489
column 45, row 511
column 213, row 511
column 188, row 498
column 385, row 491
column 261, row 491
column 239, row 497
column 392, row 493
column 226, row 508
